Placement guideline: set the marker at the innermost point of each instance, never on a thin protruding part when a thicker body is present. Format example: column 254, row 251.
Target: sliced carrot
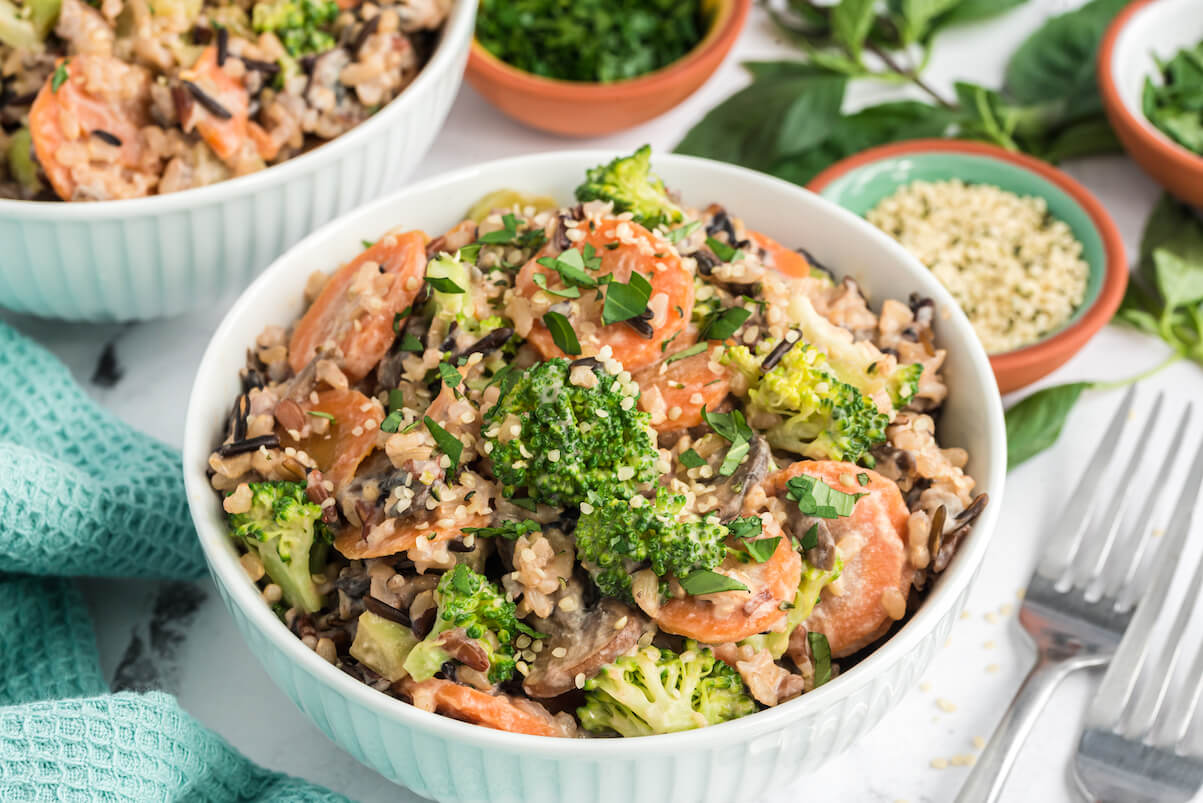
column 785, row 260
column 225, row 135
column 498, row 711
column 394, row 536
column 267, row 147
column 358, row 320
column 735, row 615
column 684, row 386
column 856, row 617
column 76, row 108
column 350, row 437
column 624, row 247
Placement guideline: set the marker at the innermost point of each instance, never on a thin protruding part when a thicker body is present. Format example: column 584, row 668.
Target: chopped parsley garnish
column 721, row 324
column 691, row 459
column 626, row 301
column 705, row 581
column 723, row 251
column 448, row 444
column 696, row 348
column 562, row 333
column 817, row 498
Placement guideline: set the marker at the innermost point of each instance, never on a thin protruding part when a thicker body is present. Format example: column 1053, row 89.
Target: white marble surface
column 221, row 683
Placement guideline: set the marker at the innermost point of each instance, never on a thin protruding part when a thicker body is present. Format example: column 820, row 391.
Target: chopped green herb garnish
column 451, row 377
column 723, row 251
column 691, row 459
column 60, row 75
column 412, row 344
column 321, row 414
column 367, row 243
column 503, row 235
column 696, row 348
column 820, row 656
column 746, row 527
column 571, row 266
column 509, row 530
column 863, row 479
column 392, row 422
column 681, row 232
column 811, row 539
column 705, row 581
column 444, row 285
column 562, row 333
column 762, row 549
column 721, row 324
column 626, row 301
column 448, row 444
column 396, row 400
column 567, row 292
column 734, row 428
column 817, row 498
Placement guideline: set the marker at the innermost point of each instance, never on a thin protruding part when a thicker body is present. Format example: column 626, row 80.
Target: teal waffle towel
column 82, row 494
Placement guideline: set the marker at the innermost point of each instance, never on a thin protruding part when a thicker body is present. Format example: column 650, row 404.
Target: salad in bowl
column 623, row 467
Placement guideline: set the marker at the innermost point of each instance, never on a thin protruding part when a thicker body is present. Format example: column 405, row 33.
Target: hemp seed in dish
column 1016, row 271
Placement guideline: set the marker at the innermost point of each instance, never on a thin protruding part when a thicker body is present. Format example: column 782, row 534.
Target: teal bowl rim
column 1067, row 200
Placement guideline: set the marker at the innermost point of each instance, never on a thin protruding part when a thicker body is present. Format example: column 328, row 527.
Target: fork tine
column 1121, row 574
column 1118, row 683
column 1173, row 728
column 1090, row 567
column 1073, row 522
column 1147, row 709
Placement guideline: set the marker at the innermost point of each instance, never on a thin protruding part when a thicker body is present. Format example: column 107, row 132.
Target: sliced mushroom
column 732, row 490
column 580, row 643
column 822, row 554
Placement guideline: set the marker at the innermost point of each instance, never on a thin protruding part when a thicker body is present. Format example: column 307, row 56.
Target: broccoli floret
column 822, row 417
column 287, row 532
column 571, row 441
column 629, row 183
column 614, row 539
column 809, row 587
column 857, row 362
column 297, row 23
column 659, row 691
column 469, row 601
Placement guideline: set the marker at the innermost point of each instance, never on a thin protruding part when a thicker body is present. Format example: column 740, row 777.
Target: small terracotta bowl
column 859, row 182
column 1145, row 29
column 579, row 109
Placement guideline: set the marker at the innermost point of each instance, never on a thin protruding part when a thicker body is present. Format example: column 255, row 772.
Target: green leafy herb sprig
column 1175, row 103
column 1164, row 299
column 789, row 120
column 590, row 40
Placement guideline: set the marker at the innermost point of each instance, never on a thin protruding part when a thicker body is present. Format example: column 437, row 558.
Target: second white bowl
column 163, row 255
column 448, row 760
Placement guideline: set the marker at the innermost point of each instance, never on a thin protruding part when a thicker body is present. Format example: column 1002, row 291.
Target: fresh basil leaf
column 567, row 292
column 562, row 333
column 696, row 348
column 392, row 422
column 850, row 23
column 448, row 444
column 1058, row 61
column 691, row 459
column 503, row 236
column 678, row 234
column 396, row 400
column 1179, row 277
column 571, row 268
column 704, row 581
column 785, row 111
column 1092, row 136
column 1035, row 423
column 746, row 527
column 723, row 324
column 820, row 656
column 412, row 344
column 469, row 253
column 732, row 426
column 444, row 285
column 723, row 251
column 762, row 549
column 817, row 498
column 735, row 455
column 451, row 377
column 626, row 301
column 810, row 539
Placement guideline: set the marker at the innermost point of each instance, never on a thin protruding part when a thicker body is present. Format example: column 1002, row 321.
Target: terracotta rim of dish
column 1178, row 157
column 1115, row 274
column 727, row 25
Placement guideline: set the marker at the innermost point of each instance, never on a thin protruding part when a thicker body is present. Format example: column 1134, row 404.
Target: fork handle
column 986, row 780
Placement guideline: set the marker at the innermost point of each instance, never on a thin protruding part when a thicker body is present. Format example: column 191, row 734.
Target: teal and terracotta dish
column 860, row 182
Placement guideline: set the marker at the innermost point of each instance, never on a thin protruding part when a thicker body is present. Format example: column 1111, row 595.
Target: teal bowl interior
column 861, row 188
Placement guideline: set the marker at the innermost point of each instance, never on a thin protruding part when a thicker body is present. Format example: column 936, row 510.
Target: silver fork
column 1136, row 746
column 1079, row 600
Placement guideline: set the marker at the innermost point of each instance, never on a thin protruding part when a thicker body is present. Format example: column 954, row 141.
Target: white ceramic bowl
column 160, row 256
column 449, row 760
